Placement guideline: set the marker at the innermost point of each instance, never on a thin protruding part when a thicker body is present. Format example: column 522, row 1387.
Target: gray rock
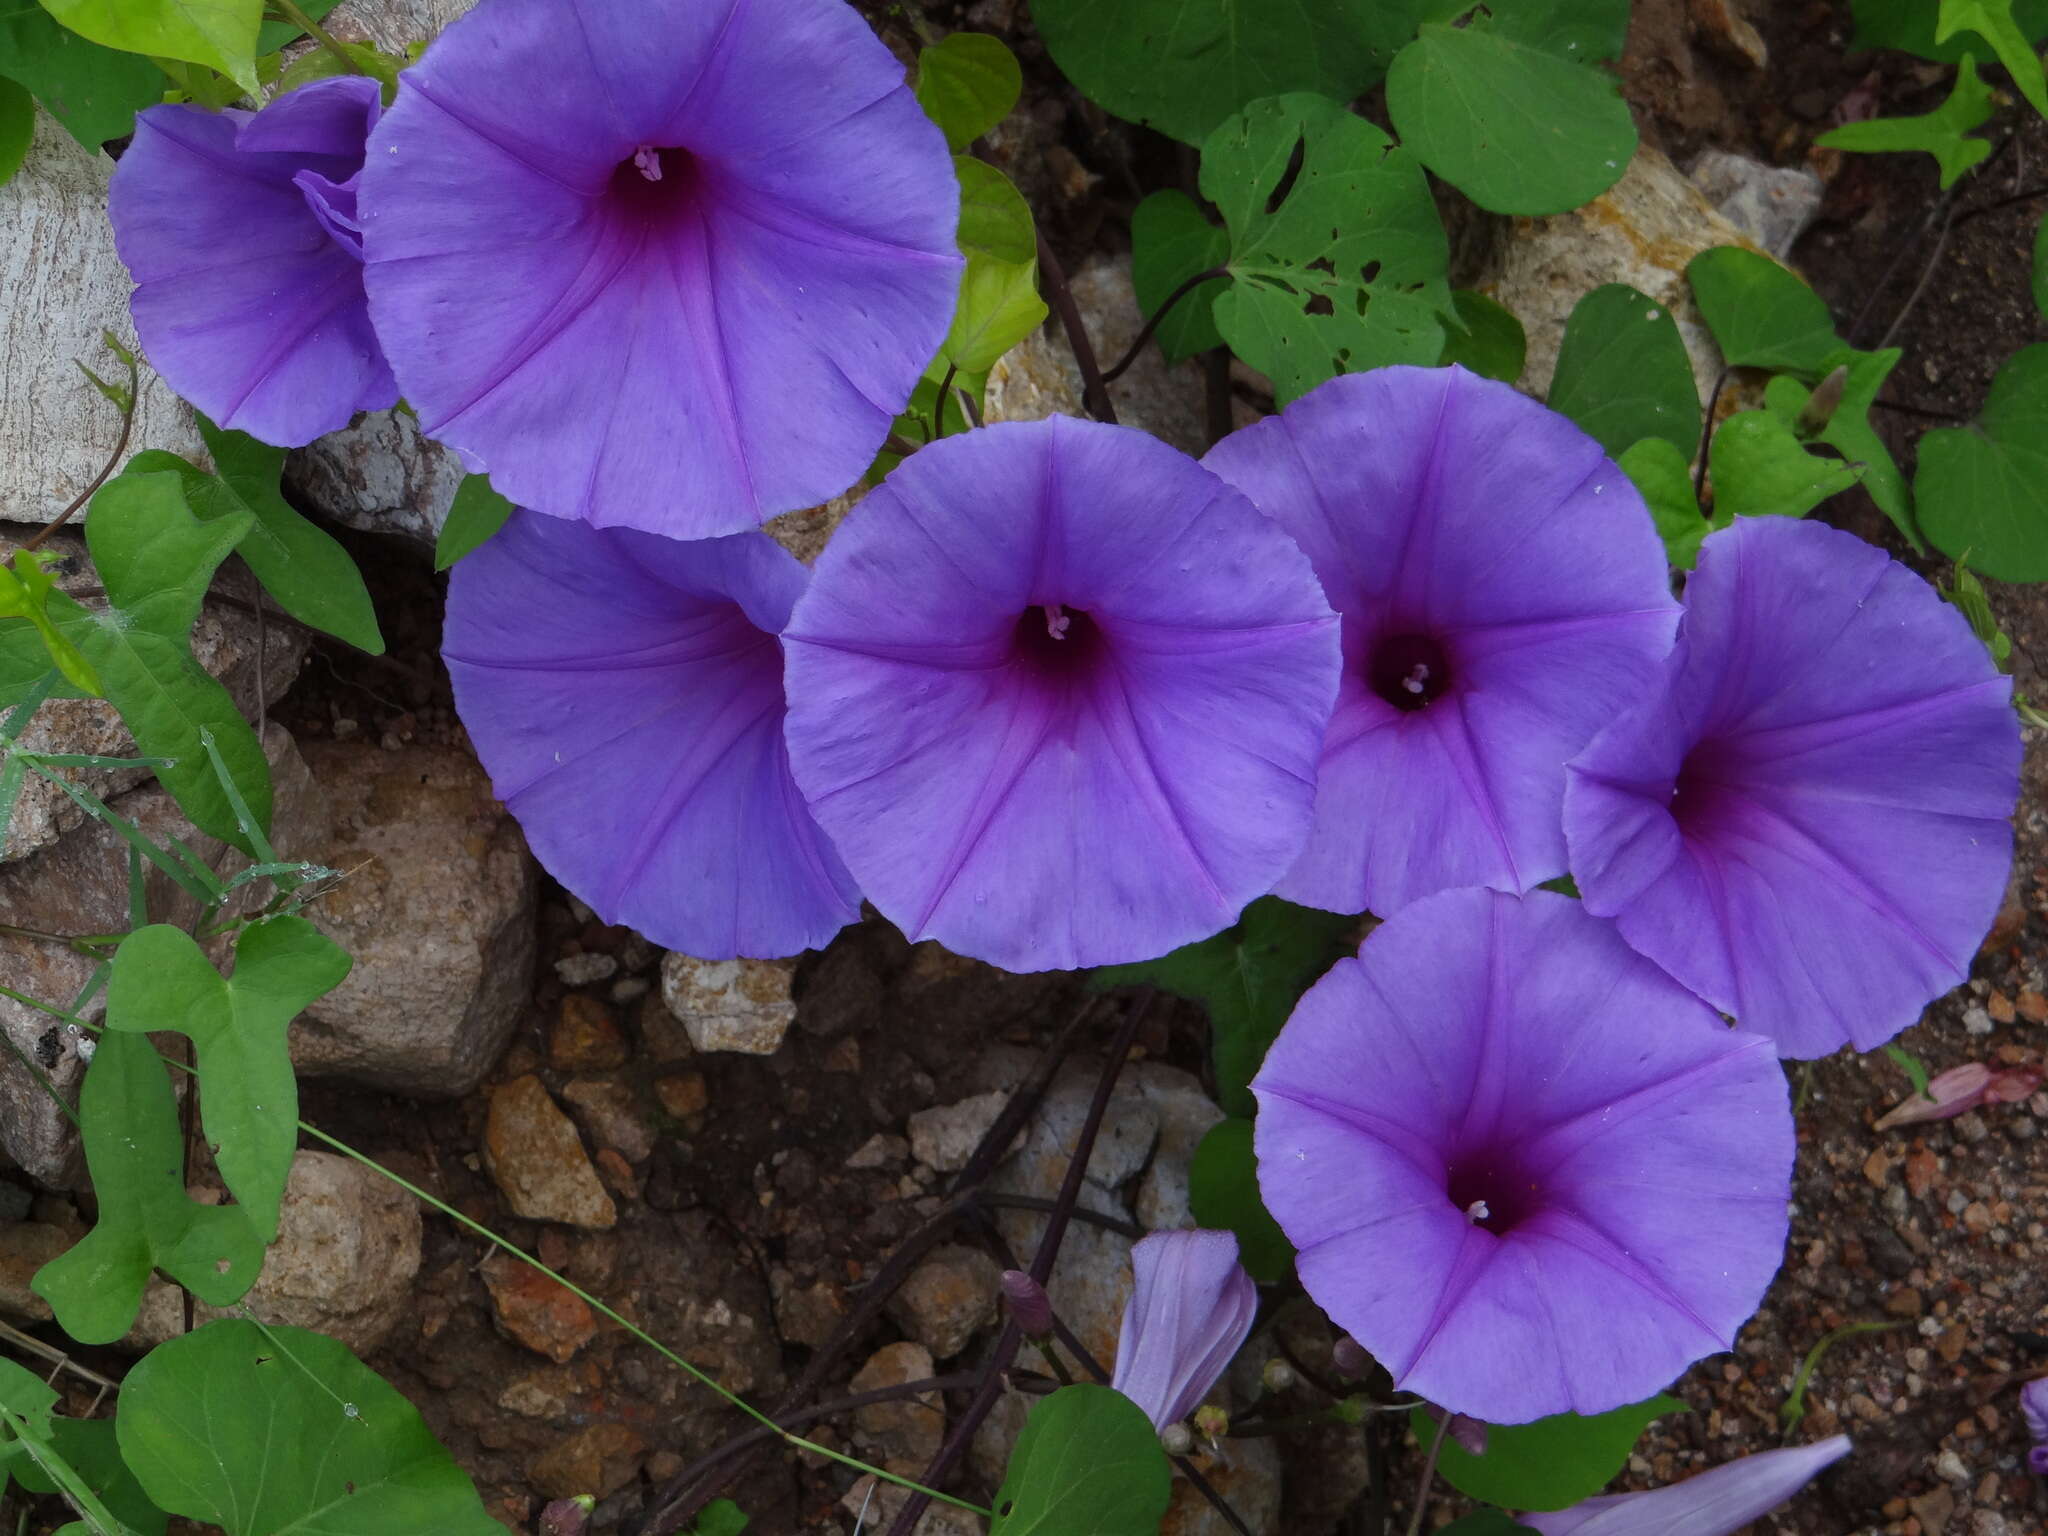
column 944, row 1137
column 1185, row 1115
column 79, row 884
column 904, row 1434
column 730, row 1005
column 947, row 1298
column 609, row 1112
column 380, row 475
column 65, row 285
column 347, row 1249
column 394, row 25
column 875, row 1505
column 437, row 908
column 1772, row 204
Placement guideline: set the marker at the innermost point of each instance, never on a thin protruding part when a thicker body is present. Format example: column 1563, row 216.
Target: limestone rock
column 1185, row 1115
column 394, row 25
column 905, row 1434
column 599, row 1460
column 946, row 1298
column 1641, row 231
column 64, row 285
column 438, row 911
column 730, row 1005
column 80, row 885
column 381, row 476
column 945, row 1136
column 1772, row 204
column 537, row 1160
column 876, row 1504
column 609, row 1112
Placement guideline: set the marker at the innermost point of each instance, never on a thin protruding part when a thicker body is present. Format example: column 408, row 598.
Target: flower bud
column 1468, row 1434
column 1211, row 1422
column 1963, row 1088
column 1029, row 1306
column 567, row 1517
column 1825, row 400
column 1177, row 1440
column 1278, row 1376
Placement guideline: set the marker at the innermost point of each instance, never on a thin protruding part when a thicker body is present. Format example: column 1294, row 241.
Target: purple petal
column 1460, row 527
column 1191, row 1308
column 690, row 354
column 2034, row 1408
column 1583, row 1173
column 1809, row 823
column 249, row 285
column 1718, row 1502
column 625, row 693
column 1043, row 803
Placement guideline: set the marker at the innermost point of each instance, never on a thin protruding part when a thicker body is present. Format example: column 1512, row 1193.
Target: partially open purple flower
column 1718, row 1502
column 625, row 693
column 1808, row 820
column 2034, row 1408
column 1521, row 1165
column 240, row 231
column 1056, row 693
column 1191, row 1307
column 1503, row 592
column 674, row 264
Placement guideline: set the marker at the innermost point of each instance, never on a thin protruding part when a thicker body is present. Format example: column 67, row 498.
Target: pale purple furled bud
column 1030, row 1307
column 1349, row 1358
column 567, row 1517
column 1467, row 1433
column 1718, row 1502
column 2034, row 1405
column 1963, row 1088
column 1191, row 1307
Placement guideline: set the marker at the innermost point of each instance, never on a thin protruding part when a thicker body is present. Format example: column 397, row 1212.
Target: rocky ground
column 729, row 1154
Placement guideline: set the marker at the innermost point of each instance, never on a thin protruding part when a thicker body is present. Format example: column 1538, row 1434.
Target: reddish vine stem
column 106, row 469
column 1093, row 394
column 962, row 1433
column 1158, row 316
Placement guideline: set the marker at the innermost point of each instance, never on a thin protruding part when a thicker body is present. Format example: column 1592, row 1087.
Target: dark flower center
column 1490, row 1187
column 1409, row 671
column 656, row 184
column 1699, row 789
column 1056, row 642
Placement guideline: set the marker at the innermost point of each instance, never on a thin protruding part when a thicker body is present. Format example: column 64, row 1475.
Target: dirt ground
column 743, row 1236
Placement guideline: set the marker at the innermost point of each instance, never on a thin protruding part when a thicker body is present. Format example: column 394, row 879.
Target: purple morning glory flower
column 1191, row 1307
column 2034, row 1408
column 1808, row 820
column 240, row 231
column 1056, row 693
column 1718, row 1502
column 673, row 265
column 1504, row 593
column 1521, row 1165
column 625, row 693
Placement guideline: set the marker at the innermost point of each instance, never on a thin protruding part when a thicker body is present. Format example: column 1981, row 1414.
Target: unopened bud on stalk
column 567, row 1517
column 1177, row 1440
column 1029, row 1306
column 1349, row 1358
column 1211, row 1422
column 1823, row 402
column 1278, row 1376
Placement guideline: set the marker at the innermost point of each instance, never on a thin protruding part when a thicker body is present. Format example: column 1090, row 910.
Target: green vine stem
column 288, row 10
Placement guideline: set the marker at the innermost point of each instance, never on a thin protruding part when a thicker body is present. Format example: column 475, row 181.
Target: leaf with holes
column 221, row 34
column 249, row 1099
column 1223, row 1194
column 1943, row 133
column 1548, row 1464
column 967, row 83
column 1184, row 66
column 999, row 304
column 1337, row 255
column 1623, row 373
column 135, row 1153
column 1485, row 337
column 1983, row 489
column 1508, row 108
column 272, row 1430
column 1088, row 1463
column 1173, row 242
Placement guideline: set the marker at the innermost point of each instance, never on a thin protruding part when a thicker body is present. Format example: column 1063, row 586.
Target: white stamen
column 647, row 160
column 1056, row 621
column 1477, row 1212
column 1417, row 678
